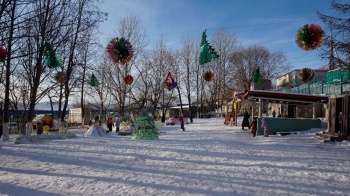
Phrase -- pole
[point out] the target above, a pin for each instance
(163, 112)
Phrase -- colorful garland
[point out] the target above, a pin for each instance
(51, 59)
(128, 79)
(208, 76)
(60, 77)
(3, 54)
(309, 37)
(307, 75)
(120, 50)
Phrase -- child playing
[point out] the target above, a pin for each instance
(264, 126)
(231, 121)
(253, 126)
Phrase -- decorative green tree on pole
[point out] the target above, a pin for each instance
(93, 81)
(207, 52)
(257, 77)
(51, 58)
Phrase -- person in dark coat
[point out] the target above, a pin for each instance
(340, 121)
(245, 122)
(117, 125)
(182, 123)
(109, 125)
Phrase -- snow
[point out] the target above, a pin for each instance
(96, 131)
(208, 158)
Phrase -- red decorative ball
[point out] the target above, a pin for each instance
(60, 77)
(208, 76)
(3, 54)
(128, 79)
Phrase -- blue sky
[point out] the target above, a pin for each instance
(269, 23)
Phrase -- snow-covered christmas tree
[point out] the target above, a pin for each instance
(145, 129)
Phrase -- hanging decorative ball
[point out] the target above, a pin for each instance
(3, 54)
(60, 77)
(128, 79)
(119, 50)
(309, 37)
(208, 76)
(307, 75)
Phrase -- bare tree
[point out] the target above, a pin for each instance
(225, 44)
(152, 71)
(10, 30)
(246, 61)
(339, 39)
(85, 16)
(130, 29)
(103, 99)
(189, 61)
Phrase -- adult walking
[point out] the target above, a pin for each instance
(182, 123)
(109, 125)
(245, 122)
(340, 122)
(117, 125)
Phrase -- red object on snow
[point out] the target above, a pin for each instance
(173, 121)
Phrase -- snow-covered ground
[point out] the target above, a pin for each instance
(209, 158)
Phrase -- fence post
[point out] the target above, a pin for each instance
(341, 84)
(321, 86)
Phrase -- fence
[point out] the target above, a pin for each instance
(335, 87)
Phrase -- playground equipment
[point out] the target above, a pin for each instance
(232, 108)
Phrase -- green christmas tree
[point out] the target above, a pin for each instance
(207, 52)
(257, 77)
(145, 129)
(51, 59)
(93, 81)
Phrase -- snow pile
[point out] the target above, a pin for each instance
(96, 131)
(23, 139)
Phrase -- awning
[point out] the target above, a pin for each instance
(285, 98)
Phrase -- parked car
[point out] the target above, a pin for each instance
(176, 120)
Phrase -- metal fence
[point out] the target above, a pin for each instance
(335, 87)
